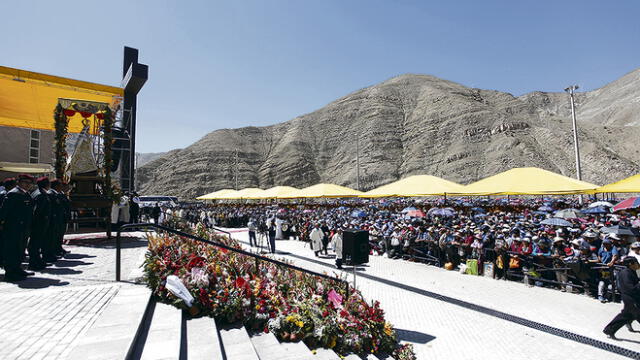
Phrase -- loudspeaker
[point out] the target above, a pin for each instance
(355, 245)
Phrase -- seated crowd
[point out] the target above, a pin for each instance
(503, 239)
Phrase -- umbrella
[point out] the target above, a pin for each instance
(545, 208)
(555, 222)
(407, 209)
(568, 214)
(636, 223)
(446, 212)
(600, 203)
(596, 210)
(358, 213)
(620, 230)
(480, 215)
(630, 203)
(307, 211)
(282, 211)
(415, 213)
(478, 209)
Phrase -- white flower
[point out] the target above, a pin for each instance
(199, 277)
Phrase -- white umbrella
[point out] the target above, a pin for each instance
(600, 203)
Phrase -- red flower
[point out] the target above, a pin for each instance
(68, 112)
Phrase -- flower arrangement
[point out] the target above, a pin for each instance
(294, 306)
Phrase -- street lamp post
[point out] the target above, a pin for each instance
(571, 91)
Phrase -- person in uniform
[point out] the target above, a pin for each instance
(7, 185)
(52, 252)
(61, 188)
(630, 291)
(41, 225)
(134, 209)
(15, 220)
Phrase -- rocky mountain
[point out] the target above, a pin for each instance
(145, 158)
(415, 124)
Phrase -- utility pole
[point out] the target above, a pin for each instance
(358, 162)
(236, 168)
(571, 91)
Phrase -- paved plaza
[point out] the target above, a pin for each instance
(44, 316)
(447, 315)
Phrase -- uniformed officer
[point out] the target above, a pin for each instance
(15, 220)
(630, 290)
(38, 244)
(7, 185)
(52, 252)
(61, 188)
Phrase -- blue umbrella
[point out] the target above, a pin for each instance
(358, 213)
(545, 208)
(479, 210)
(445, 212)
(407, 209)
(596, 210)
(556, 222)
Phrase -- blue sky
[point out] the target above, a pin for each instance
(227, 64)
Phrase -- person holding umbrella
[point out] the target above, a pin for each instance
(630, 291)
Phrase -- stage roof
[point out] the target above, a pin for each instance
(28, 99)
(528, 181)
(416, 185)
(628, 185)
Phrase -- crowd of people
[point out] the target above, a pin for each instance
(509, 239)
(33, 217)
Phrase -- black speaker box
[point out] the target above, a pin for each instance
(355, 245)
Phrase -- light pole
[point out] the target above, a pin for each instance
(571, 91)
(358, 163)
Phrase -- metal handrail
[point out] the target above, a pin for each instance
(214, 243)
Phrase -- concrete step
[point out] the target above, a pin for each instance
(202, 339)
(237, 343)
(164, 334)
(113, 333)
(326, 354)
(352, 357)
(295, 350)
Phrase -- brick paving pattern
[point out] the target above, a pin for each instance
(43, 317)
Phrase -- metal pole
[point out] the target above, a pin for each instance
(236, 166)
(358, 163)
(118, 245)
(571, 90)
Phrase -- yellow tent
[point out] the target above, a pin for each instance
(214, 195)
(528, 181)
(323, 190)
(28, 99)
(416, 185)
(628, 185)
(276, 192)
(247, 193)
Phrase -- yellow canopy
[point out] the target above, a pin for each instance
(416, 185)
(247, 193)
(26, 168)
(276, 192)
(528, 181)
(628, 185)
(28, 99)
(323, 190)
(214, 195)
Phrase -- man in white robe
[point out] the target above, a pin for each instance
(316, 239)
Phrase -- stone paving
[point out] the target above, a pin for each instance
(43, 316)
(442, 329)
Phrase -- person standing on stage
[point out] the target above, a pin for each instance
(316, 237)
(41, 225)
(7, 185)
(134, 209)
(630, 291)
(337, 247)
(272, 236)
(51, 252)
(58, 187)
(251, 225)
(15, 220)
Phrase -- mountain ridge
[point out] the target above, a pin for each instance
(410, 124)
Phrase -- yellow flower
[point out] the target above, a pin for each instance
(300, 324)
(332, 343)
(257, 307)
(388, 329)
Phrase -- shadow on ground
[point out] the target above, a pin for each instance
(413, 336)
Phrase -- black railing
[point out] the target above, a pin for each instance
(214, 243)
